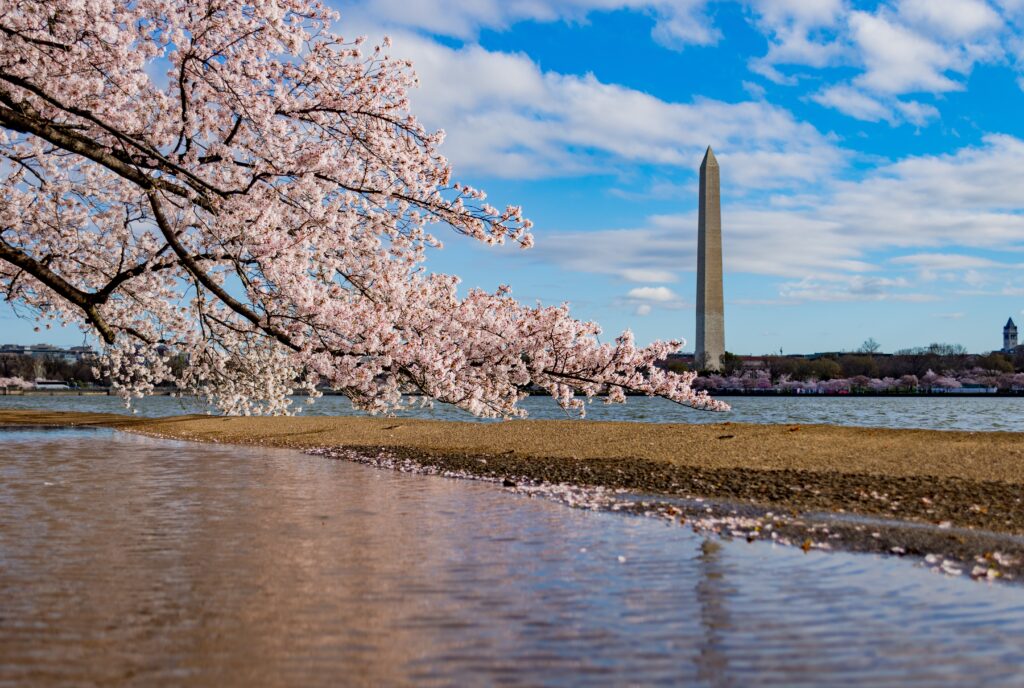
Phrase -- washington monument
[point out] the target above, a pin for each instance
(710, 310)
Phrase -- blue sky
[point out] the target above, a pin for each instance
(872, 159)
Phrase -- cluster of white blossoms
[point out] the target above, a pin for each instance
(259, 213)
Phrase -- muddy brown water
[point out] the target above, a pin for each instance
(130, 560)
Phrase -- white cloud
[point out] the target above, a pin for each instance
(754, 241)
(796, 33)
(799, 12)
(828, 244)
(508, 118)
(630, 254)
(656, 189)
(1012, 7)
(656, 294)
(946, 261)
(756, 91)
(644, 299)
(852, 102)
(681, 22)
(677, 22)
(974, 278)
(916, 113)
(972, 271)
(899, 60)
(858, 104)
(954, 19)
(899, 47)
(647, 275)
(771, 73)
(851, 288)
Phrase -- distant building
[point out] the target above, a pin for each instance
(71, 354)
(1009, 336)
(50, 384)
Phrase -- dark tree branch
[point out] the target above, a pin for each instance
(22, 118)
(59, 285)
(190, 264)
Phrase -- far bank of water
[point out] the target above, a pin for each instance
(981, 414)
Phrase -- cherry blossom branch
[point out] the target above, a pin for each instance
(278, 155)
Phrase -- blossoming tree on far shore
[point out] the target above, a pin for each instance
(237, 184)
(14, 383)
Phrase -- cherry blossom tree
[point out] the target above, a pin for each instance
(929, 379)
(236, 184)
(786, 384)
(885, 384)
(838, 386)
(14, 383)
(908, 382)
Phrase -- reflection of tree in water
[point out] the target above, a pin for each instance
(712, 591)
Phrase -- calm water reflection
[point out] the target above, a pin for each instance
(938, 413)
(126, 559)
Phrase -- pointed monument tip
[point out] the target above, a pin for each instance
(709, 158)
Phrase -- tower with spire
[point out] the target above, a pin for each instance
(710, 345)
(1009, 336)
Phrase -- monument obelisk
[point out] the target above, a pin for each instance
(710, 343)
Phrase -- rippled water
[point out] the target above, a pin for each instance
(127, 559)
(938, 413)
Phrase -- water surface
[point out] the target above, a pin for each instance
(937, 412)
(127, 559)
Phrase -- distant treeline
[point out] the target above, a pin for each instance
(918, 361)
(74, 373)
(71, 372)
(935, 367)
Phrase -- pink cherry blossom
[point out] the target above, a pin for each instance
(14, 383)
(238, 186)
